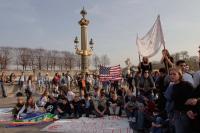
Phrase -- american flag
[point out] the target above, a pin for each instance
(110, 73)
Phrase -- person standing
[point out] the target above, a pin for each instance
(12, 78)
(22, 80)
(88, 82)
(2, 81)
(130, 81)
(161, 85)
(196, 77)
(40, 81)
(47, 81)
(68, 80)
(56, 80)
(30, 86)
(181, 92)
(96, 82)
(167, 59)
(181, 64)
(63, 80)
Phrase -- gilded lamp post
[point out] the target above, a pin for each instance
(84, 52)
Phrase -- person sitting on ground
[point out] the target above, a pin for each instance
(100, 104)
(128, 97)
(121, 92)
(140, 115)
(157, 123)
(63, 106)
(88, 105)
(111, 91)
(29, 108)
(150, 105)
(131, 107)
(70, 95)
(70, 98)
(43, 99)
(114, 104)
(55, 92)
(51, 105)
(96, 92)
(19, 105)
(62, 92)
(77, 107)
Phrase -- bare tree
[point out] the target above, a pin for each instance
(53, 62)
(5, 56)
(105, 60)
(24, 56)
(47, 59)
(60, 60)
(184, 55)
(78, 61)
(69, 59)
(32, 59)
(39, 56)
(17, 60)
(96, 61)
(193, 62)
(176, 56)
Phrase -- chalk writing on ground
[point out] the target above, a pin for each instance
(109, 124)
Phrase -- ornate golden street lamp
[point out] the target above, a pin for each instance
(84, 52)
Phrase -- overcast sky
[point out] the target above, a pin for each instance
(114, 24)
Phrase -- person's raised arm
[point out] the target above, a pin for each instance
(169, 61)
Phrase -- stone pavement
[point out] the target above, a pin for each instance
(10, 102)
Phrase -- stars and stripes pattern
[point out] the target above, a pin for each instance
(110, 73)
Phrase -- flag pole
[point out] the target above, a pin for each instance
(166, 63)
(139, 57)
(138, 51)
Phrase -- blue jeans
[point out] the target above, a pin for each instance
(156, 130)
(181, 122)
(139, 120)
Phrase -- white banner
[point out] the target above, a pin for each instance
(112, 124)
(150, 44)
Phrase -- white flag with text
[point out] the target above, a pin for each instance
(150, 44)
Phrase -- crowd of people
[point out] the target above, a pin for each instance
(156, 101)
